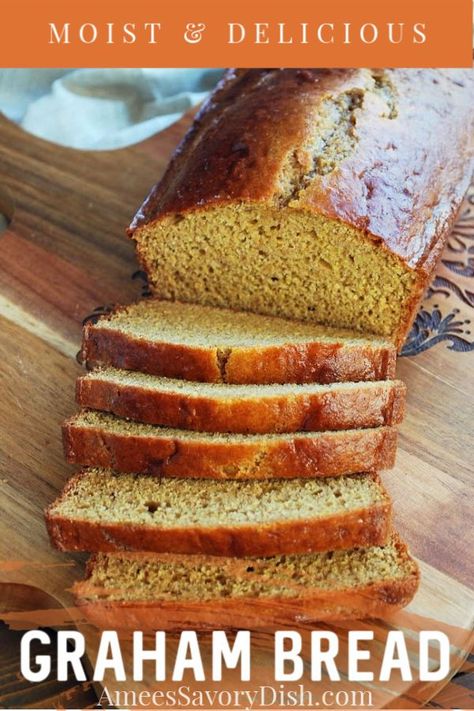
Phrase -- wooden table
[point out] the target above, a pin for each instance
(64, 254)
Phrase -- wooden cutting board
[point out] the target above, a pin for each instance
(64, 255)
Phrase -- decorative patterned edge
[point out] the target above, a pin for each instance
(431, 326)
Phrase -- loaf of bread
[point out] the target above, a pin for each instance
(219, 345)
(314, 194)
(260, 409)
(173, 592)
(99, 439)
(100, 510)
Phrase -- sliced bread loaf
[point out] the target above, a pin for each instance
(95, 438)
(219, 345)
(216, 407)
(172, 592)
(100, 510)
(324, 195)
(320, 194)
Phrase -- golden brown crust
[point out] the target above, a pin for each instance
(337, 409)
(236, 565)
(347, 452)
(360, 528)
(110, 347)
(401, 187)
(310, 363)
(318, 362)
(363, 527)
(422, 173)
(375, 600)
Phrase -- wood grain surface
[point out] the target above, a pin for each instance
(63, 255)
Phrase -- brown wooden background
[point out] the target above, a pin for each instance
(64, 254)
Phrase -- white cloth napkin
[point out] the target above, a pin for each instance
(101, 108)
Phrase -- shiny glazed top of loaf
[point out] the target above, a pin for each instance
(388, 152)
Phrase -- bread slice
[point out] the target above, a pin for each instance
(216, 407)
(100, 510)
(219, 345)
(100, 439)
(173, 592)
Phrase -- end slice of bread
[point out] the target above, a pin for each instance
(173, 592)
(209, 344)
(101, 439)
(260, 409)
(100, 510)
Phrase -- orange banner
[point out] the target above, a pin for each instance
(270, 33)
